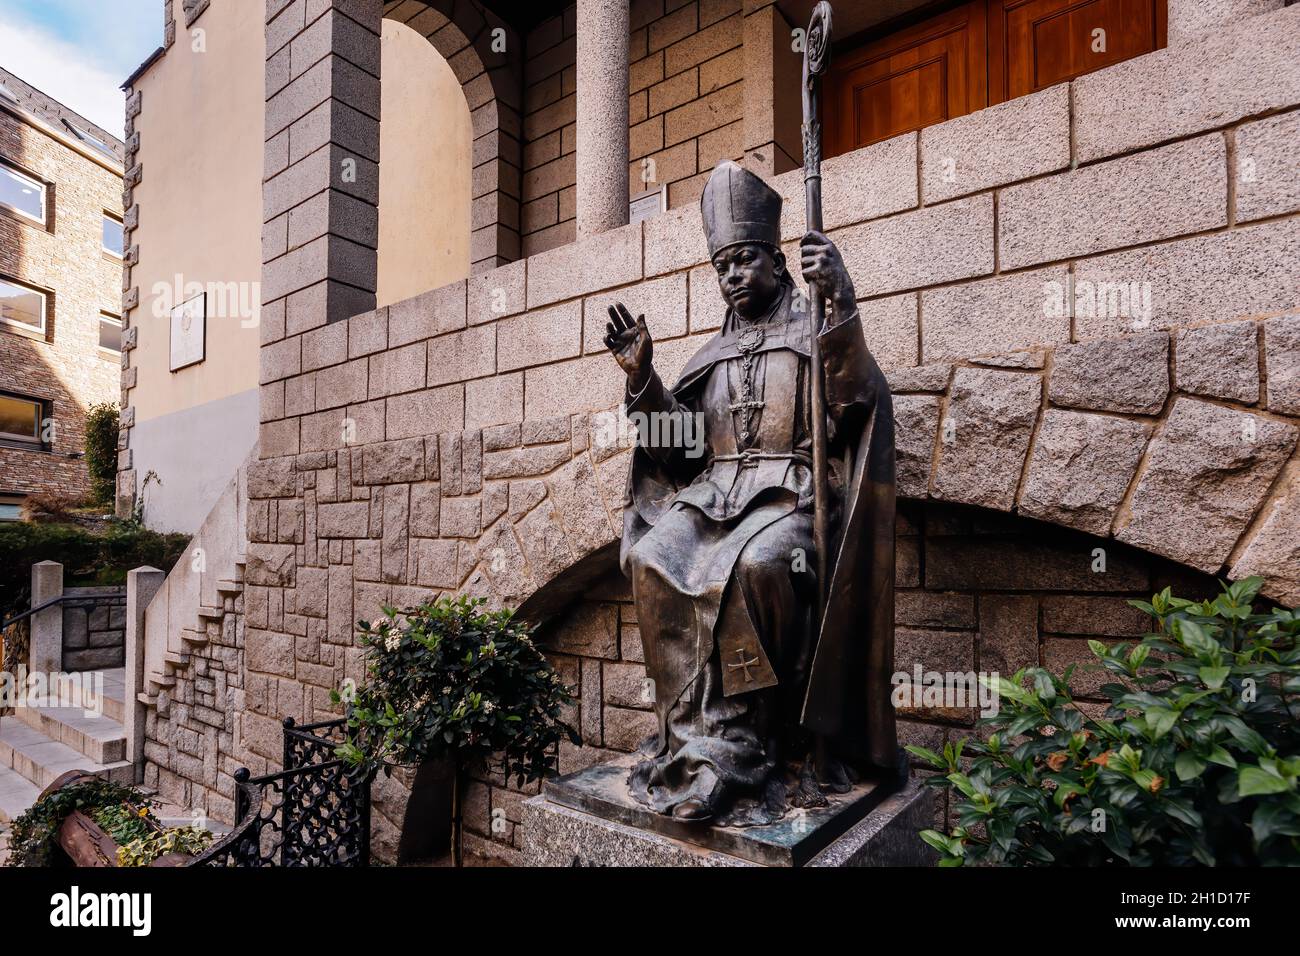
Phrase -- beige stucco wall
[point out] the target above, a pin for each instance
(200, 198)
(200, 203)
(424, 169)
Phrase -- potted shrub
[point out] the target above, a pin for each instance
(1195, 761)
(88, 821)
(449, 684)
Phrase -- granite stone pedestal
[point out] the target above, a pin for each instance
(589, 819)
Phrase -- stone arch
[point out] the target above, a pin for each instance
(551, 518)
(488, 64)
(1100, 437)
(1094, 437)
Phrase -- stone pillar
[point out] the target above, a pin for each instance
(773, 108)
(141, 586)
(602, 115)
(47, 626)
(321, 190)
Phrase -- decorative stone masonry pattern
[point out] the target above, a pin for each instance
(94, 637)
(127, 477)
(413, 460)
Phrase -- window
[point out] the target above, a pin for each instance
(11, 507)
(110, 332)
(906, 79)
(1034, 44)
(90, 140)
(22, 194)
(924, 69)
(20, 420)
(114, 240)
(22, 306)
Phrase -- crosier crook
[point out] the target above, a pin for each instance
(816, 53)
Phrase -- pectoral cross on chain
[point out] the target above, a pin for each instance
(744, 665)
(749, 343)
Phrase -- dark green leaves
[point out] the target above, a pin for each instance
(449, 678)
(1194, 763)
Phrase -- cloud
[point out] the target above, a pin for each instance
(61, 70)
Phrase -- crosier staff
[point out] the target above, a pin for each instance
(816, 53)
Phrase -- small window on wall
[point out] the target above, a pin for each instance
(22, 194)
(110, 333)
(114, 240)
(21, 421)
(22, 307)
(94, 142)
(11, 507)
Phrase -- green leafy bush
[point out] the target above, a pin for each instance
(89, 555)
(1194, 763)
(124, 822)
(101, 451)
(447, 679)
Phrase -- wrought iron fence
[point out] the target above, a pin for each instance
(315, 812)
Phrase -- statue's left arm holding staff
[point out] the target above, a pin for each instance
(852, 378)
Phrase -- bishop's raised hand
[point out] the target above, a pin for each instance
(629, 341)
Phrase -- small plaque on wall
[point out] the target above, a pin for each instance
(189, 328)
(649, 203)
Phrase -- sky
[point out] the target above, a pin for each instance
(80, 51)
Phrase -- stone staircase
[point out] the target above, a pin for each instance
(209, 620)
(192, 618)
(37, 744)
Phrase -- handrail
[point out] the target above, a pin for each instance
(91, 599)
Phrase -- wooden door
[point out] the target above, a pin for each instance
(1034, 44)
(908, 79)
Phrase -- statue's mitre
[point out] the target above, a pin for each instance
(739, 207)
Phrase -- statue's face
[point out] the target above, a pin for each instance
(750, 277)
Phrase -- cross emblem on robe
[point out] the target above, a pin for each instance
(745, 407)
(744, 665)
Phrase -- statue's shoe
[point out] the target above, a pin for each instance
(693, 811)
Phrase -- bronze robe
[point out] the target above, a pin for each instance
(720, 552)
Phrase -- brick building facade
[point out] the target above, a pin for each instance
(60, 348)
(1061, 447)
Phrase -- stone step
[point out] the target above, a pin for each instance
(36, 757)
(111, 701)
(210, 613)
(149, 700)
(160, 680)
(101, 739)
(17, 793)
(228, 586)
(115, 694)
(192, 637)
